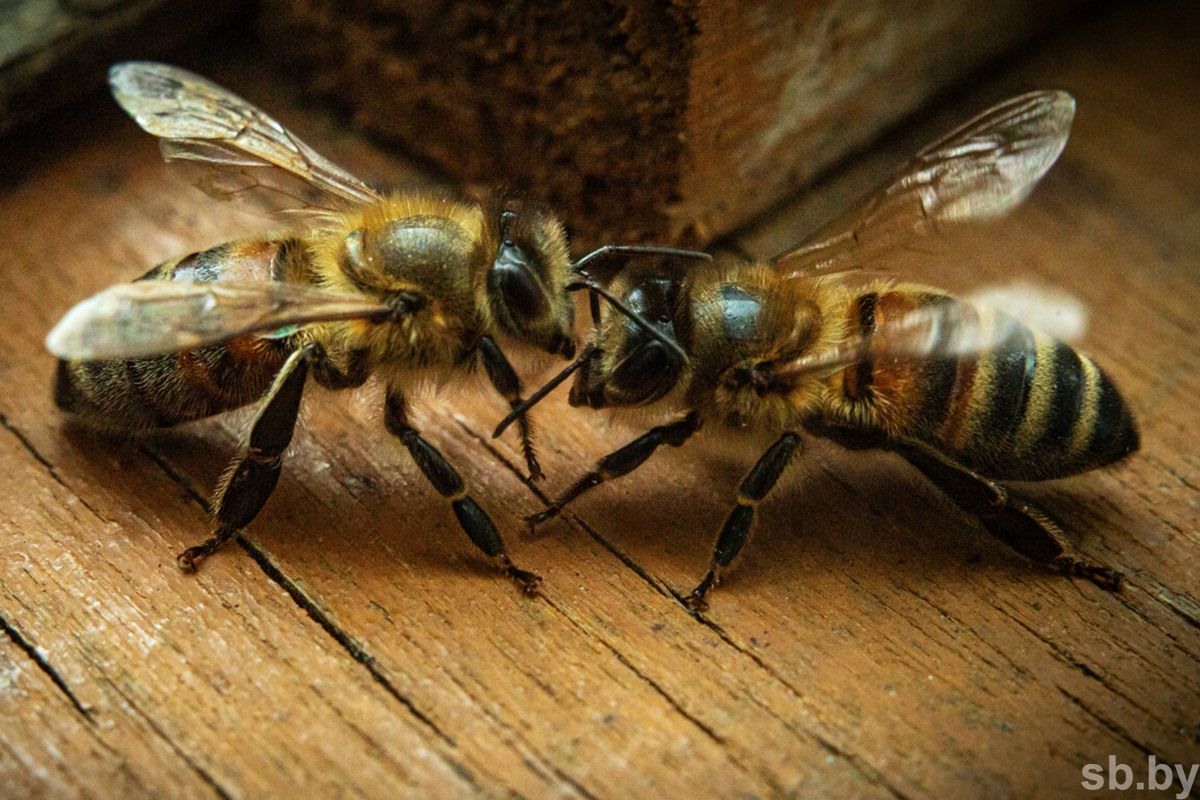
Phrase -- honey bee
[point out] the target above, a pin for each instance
(406, 287)
(794, 346)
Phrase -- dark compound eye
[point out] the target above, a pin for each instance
(518, 285)
(646, 374)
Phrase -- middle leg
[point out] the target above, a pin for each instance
(754, 487)
(446, 480)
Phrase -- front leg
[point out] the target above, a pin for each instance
(622, 462)
(505, 379)
(446, 480)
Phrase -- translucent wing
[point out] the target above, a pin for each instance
(954, 328)
(980, 170)
(132, 320)
(229, 148)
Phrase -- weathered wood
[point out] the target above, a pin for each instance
(641, 119)
(51, 52)
(874, 642)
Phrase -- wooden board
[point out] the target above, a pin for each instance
(642, 120)
(873, 642)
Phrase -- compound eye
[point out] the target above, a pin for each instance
(518, 285)
(644, 375)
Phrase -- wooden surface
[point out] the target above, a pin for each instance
(641, 119)
(874, 642)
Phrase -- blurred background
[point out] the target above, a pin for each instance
(636, 119)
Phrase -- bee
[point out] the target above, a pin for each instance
(407, 287)
(797, 346)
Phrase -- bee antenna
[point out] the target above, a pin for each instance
(595, 290)
(546, 389)
(636, 250)
(637, 319)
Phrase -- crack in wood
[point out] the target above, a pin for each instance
(1181, 605)
(200, 771)
(538, 765)
(51, 470)
(46, 668)
(868, 772)
(318, 615)
(1067, 657)
(1106, 723)
(1014, 666)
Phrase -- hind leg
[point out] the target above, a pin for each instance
(251, 479)
(1022, 526)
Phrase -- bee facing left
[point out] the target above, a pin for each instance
(404, 287)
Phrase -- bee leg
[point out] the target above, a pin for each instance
(1023, 527)
(352, 375)
(446, 480)
(754, 487)
(505, 379)
(622, 462)
(251, 479)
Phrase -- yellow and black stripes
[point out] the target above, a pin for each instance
(1024, 407)
(160, 391)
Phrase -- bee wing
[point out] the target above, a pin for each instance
(132, 320)
(963, 326)
(980, 170)
(230, 148)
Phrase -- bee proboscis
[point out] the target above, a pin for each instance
(796, 346)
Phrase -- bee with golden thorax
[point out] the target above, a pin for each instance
(404, 287)
(792, 346)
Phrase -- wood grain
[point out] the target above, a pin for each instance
(873, 641)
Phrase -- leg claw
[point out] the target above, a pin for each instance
(1106, 578)
(527, 581)
(188, 558)
(695, 601)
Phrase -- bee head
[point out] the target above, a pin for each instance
(527, 279)
(628, 365)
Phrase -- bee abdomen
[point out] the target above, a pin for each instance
(160, 391)
(1028, 407)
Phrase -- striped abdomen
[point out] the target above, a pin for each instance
(159, 391)
(1027, 407)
